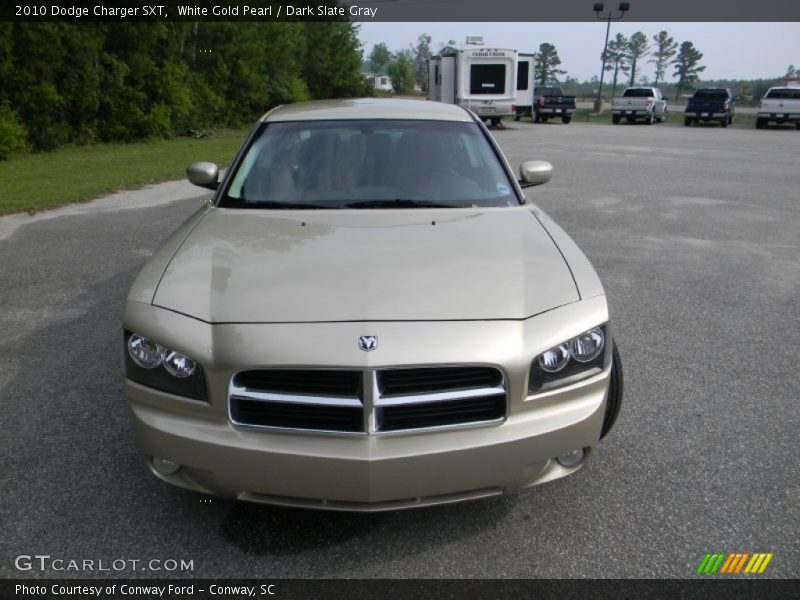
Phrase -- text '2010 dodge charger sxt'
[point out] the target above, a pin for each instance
(368, 315)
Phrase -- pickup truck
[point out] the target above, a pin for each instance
(551, 102)
(639, 103)
(781, 105)
(709, 104)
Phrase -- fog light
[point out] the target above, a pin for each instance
(571, 459)
(165, 467)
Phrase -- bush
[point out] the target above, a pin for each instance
(13, 136)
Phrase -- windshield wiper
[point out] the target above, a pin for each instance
(396, 203)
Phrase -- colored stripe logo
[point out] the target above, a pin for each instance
(734, 563)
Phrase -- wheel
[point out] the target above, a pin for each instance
(566, 120)
(544, 119)
(517, 117)
(797, 125)
(761, 123)
(663, 118)
(615, 119)
(724, 123)
(536, 117)
(495, 121)
(650, 118)
(614, 399)
(730, 120)
(687, 121)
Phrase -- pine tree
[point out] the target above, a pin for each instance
(666, 47)
(686, 67)
(638, 47)
(547, 61)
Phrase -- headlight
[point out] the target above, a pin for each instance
(583, 356)
(151, 364)
(144, 352)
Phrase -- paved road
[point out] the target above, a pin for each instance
(696, 234)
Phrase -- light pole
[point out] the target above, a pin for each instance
(598, 8)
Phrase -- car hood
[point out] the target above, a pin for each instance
(366, 265)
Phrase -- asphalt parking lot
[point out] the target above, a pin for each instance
(695, 233)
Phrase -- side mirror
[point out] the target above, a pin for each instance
(204, 174)
(534, 172)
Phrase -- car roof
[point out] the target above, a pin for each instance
(368, 108)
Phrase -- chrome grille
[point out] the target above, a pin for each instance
(369, 401)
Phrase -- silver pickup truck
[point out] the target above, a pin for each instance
(781, 105)
(639, 103)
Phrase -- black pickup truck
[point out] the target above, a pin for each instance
(710, 104)
(550, 102)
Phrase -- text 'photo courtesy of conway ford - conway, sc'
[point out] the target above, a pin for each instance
(369, 314)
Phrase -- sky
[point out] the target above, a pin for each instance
(730, 50)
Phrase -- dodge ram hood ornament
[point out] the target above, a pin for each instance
(368, 343)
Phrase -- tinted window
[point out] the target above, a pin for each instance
(549, 91)
(638, 93)
(334, 163)
(784, 93)
(487, 79)
(712, 94)
(522, 75)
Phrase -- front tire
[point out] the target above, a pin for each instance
(761, 123)
(687, 121)
(614, 399)
(566, 120)
(495, 121)
(650, 119)
(723, 123)
(615, 119)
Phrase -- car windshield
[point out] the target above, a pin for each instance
(369, 164)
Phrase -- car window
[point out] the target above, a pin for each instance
(339, 163)
(784, 94)
(638, 93)
(711, 94)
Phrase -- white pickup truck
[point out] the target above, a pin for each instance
(639, 103)
(781, 105)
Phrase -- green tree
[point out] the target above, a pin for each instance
(419, 58)
(665, 49)
(687, 67)
(401, 70)
(547, 61)
(616, 59)
(638, 47)
(332, 61)
(380, 57)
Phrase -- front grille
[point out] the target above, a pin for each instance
(371, 401)
(291, 415)
(439, 414)
(309, 382)
(434, 379)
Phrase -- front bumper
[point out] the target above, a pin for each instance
(369, 472)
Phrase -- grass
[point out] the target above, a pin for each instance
(76, 174)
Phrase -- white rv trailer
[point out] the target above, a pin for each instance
(480, 78)
(525, 85)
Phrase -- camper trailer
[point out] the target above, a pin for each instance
(525, 85)
(478, 77)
